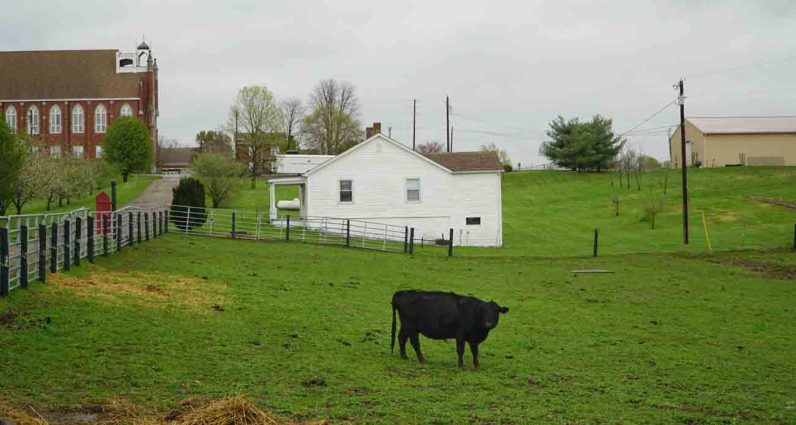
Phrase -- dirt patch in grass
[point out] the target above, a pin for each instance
(145, 289)
(19, 416)
(776, 271)
(726, 216)
(774, 201)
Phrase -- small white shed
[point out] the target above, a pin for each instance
(383, 181)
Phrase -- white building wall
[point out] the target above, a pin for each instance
(379, 171)
(299, 164)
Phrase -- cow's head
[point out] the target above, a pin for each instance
(490, 314)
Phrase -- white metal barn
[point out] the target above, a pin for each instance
(383, 181)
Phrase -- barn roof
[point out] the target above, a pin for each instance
(745, 125)
(466, 161)
(176, 157)
(64, 74)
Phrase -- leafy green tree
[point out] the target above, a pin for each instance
(127, 146)
(188, 204)
(258, 115)
(214, 141)
(582, 146)
(219, 174)
(13, 155)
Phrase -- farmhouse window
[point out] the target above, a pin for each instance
(346, 191)
(473, 221)
(413, 190)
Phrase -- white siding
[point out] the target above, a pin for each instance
(299, 164)
(379, 171)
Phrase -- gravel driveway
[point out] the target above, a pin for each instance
(158, 193)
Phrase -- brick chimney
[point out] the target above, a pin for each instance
(372, 131)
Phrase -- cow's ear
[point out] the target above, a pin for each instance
(504, 310)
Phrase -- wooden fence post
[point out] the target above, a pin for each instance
(42, 252)
(348, 233)
(450, 244)
(287, 230)
(233, 224)
(794, 237)
(131, 241)
(138, 225)
(90, 238)
(4, 277)
(188, 220)
(23, 257)
(78, 228)
(105, 235)
(118, 227)
(66, 245)
(411, 241)
(406, 239)
(146, 226)
(54, 248)
(166, 229)
(596, 237)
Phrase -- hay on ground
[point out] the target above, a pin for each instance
(18, 417)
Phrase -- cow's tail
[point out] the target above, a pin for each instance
(392, 341)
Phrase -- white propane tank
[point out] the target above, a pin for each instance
(293, 205)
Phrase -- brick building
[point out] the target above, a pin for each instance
(65, 99)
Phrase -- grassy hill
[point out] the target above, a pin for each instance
(553, 213)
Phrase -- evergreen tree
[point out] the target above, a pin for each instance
(188, 197)
(582, 146)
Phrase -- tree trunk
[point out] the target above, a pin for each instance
(124, 176)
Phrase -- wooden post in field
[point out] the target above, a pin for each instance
(4, 272)
(233, 224)
(596, 238)
(406, 239)
(348, 233)
(42, 252)
(54, 248)
(90, 238)
(450, 244)
(411, 241)
(78, 225)
(287, 230)
(105, 235)
(23, 257)
(66, 245)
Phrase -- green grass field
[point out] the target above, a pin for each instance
(706, 341)
(674, 336)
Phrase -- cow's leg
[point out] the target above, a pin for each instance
(460, 350)
(415, 339)
(402, 337)
(474, 351)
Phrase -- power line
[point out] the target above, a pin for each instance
(658, 112)
(490, 123)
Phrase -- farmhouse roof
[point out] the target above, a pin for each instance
(176, 156)
(745, 125)
(64, 74)
(466, 161)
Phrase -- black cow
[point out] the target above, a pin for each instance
(443, 315)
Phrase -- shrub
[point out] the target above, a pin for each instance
(508, 168)
(652, 205)
(189, 193)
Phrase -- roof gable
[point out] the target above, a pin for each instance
(467, 161)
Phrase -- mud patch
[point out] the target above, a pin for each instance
(776, 271)
(774, 201)
(153, 290)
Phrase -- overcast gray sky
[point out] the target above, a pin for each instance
(509, 67)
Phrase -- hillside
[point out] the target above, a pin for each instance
(552, 213)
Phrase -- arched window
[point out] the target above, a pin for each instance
(11, 118)
(33, 120)
(55, 120)
(126, 111)
(77, 119)
(100, 119)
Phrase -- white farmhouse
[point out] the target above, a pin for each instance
(381, 180)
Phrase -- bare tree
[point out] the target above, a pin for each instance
(258, 115)
(333, 125)
(627, 162)
(292, 115)
(163, 143)
(502, 154)
(430, 147)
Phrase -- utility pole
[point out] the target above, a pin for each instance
(448, 122)
(235, 136)
(451, 138)
(414, 121)
(389, 132)
(681, 101)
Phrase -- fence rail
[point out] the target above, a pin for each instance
(32, 245)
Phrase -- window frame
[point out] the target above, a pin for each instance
(476, 221)
(78, 124)
(98, 151)
(340, 191)
(33, 120)
(126, 107)
(407, 189)
(78, 151)
(12, 122)
(55, 151)
(100, 125)
(56, 120)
